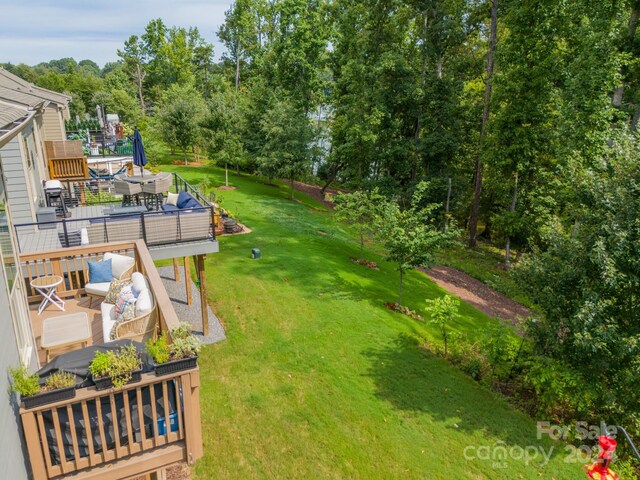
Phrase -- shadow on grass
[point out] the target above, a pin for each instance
(415, 381)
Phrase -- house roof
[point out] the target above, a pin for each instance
(16, 90)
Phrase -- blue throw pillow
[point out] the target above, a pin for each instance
(183, 198)
(100, 272)
(192, 203)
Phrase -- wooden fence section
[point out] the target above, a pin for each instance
(117, 433)
(71, 265)
(66, 159)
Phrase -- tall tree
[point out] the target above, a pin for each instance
(134, 60)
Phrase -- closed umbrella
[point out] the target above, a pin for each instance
(139, 158)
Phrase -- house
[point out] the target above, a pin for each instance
(141, 428)
(39, 115)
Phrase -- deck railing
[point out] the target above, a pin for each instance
(119, 433)
(155, 227)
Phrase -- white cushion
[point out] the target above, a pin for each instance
(108, 320)
(172, 199)
(144, 303)
(119, 263)
(97, 288)
(139, 283)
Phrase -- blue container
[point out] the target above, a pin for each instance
(173, 424)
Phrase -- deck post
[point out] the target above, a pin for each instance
(187, 279)
(176, 270)
(203, 295)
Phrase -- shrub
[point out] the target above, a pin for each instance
(185, 347)
(23, 383)
(442, 311)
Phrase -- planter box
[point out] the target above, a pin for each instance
(176, 366)
(49, 397)
(105, 382)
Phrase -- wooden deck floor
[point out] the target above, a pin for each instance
(72, 305)
(34, 239)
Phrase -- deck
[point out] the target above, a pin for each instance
(72, 305)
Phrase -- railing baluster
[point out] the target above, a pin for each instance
(106, 453)
(74, 439)
(93, 459)
(46, 446)
(127, 416)
(157, 440)
(64, 463)
(116, 426)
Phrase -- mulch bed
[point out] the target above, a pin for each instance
(396, 307)
(478, 294)
(365, 263)
(224, 187)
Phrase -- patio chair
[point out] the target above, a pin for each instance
(130, 192)
(154, 191)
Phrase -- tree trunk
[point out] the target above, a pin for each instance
(184, 154)
(139, 78)
(514, 199)
(446, 208)
(292, 189)
(238, 67)
(400, 290)
(226, 174)
(361, 246)
(477, 188)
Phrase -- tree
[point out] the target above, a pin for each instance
(288, 136)
(586, 282)
(180, 115)
(222, 124)
(477, 182)
(412, 237)
(364, 211)
(134, 59)
(442, 311)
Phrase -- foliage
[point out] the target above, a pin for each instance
(59, 380)
(158, 349)
(23, 383)
(179, 117)
(116, 364)
(412, 238)
(185, 347)
(442, 311)
(364, 211)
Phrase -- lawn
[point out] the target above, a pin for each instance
(318, 380)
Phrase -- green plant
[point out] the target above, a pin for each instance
(116, 364)
(23, 383)
(442, 311)
(185, 347)
(183, 330)
(59, 380)
(159, 349)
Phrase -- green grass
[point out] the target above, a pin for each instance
(317, 379)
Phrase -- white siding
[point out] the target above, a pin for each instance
(53, 124)
(13, 167)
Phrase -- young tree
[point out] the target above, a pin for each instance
(134, 60)
(180, 116)
(442, 311)
(412, 236)
(364, 211)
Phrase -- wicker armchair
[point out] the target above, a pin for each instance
(154, 191)
(130, 191)
(100, 290)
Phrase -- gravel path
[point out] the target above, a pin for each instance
(190, 313)
(477, 294)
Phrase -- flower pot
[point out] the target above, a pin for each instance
(176, 366)
(49, 397)
(229, 225)
(103, 383)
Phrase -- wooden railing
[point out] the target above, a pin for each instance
(66, 159)
(63, 168)
(71, 264)
(118, 433)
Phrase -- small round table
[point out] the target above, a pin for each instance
(46, 286)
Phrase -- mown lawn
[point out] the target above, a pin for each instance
(318, 380)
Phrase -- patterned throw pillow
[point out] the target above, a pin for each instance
(128, 313)
(114, 290)
(124, 297)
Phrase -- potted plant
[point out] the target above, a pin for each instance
(182, 354)
(116, 368)
(57, 387)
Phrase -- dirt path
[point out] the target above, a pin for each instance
(477, 294)
(314, 191)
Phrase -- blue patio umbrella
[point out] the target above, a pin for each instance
(139, 157)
